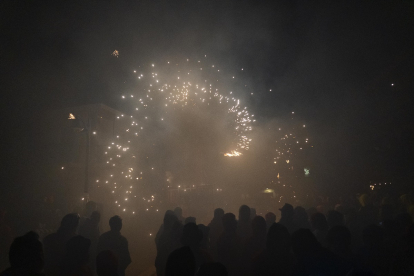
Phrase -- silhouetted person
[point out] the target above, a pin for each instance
(75, 262)
(270, 219)
(334, 218)
(402, 263)
(216, 228)
(179, 214)
(300, 218)
(107, 263)
(286, 218)
(373, 254)
(229, 245)
(181, 262)
(254, 244)
(205, 230)
(192, 237)
(244, 227)
(311, 258)
(190, 220)
(339, 241)
(114, 241)
(170, 214)
(90, 230)
(25, 256)
(311, 211)
(276, 258)
(351, 221)
(368, 213)
(252, 213)
(55, 244)
(167, 240)
(320, 228)
(212, 269)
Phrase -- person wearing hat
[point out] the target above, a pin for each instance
(286, 218)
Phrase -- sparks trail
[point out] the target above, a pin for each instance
(185, 109)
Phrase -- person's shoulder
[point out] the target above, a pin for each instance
(105, 235)
(122, 238)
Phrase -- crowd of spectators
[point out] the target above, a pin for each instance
(369, 239)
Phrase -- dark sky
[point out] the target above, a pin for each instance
(332, 62)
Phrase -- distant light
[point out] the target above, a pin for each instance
(71, 116)
(392, 84)
(63, 168)
(83, 198)
(94, 132)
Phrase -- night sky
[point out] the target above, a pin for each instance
(332, 62)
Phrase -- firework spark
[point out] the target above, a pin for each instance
(115, 53)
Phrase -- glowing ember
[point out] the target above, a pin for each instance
(115, 53)
(233, 153)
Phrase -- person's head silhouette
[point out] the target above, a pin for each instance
(169, 219)
(334, 218)
(192, 236)
(26, 254)
(244, 213)
(278, 238)
(218, 213)
(287, 211)
(115, 223)
(69, 223)
(190, 220)
(181, 262)
(318, 222)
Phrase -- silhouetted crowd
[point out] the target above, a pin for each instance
(368, 240)
(68, 251)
